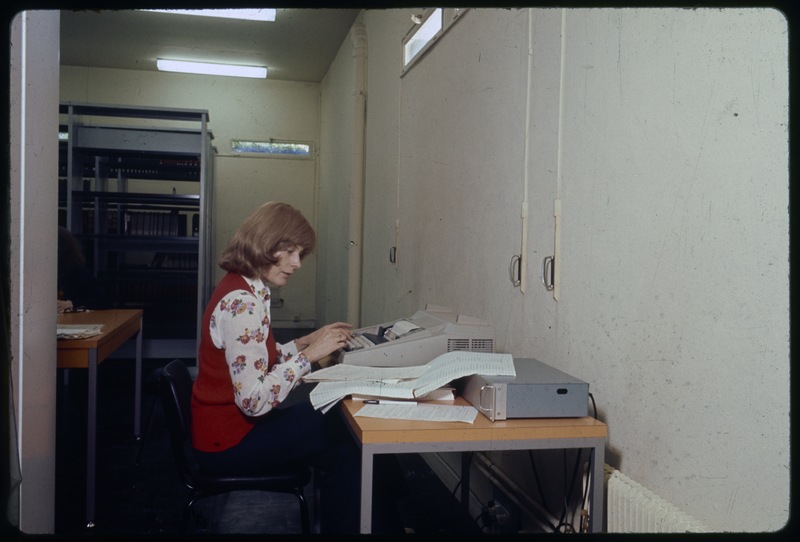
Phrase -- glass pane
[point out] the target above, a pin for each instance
(271, 147)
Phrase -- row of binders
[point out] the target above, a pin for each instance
(155, 223)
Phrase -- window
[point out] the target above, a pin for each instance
(422, 36)
(273, 148)
(428, 28)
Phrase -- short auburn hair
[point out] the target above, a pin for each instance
(272, 227)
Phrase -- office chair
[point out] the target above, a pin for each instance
(176, 392)
(153, 382)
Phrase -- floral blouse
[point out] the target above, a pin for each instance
(240, 325)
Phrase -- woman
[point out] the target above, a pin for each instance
(244, 375)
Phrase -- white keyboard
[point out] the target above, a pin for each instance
(358, 342)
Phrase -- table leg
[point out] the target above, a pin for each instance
(598, 504)
(366, 490)
(137, 410)
(91, 437)
(466, 462)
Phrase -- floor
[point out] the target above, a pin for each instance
(145, 497)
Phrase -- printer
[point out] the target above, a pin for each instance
(416, 340)
(537, 391)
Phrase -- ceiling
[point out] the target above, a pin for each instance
(299, 46)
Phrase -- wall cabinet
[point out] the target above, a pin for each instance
(135, 188)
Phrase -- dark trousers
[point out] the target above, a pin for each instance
(300, 434)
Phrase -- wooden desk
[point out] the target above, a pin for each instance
(119, 326)
(379, 436)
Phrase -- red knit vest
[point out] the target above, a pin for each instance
(217, 422)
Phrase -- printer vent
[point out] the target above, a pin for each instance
(483, 345)
(471, 345)
(454, 345)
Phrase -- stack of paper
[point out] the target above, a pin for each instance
(339, 381)
(78, 331)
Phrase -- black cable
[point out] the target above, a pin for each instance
(569, 488)
(541, 491)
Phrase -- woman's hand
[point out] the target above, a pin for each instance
(325, 340)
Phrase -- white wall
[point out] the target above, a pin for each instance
(33, 154)
(675, 194)
(664, 135)
(335, 176)
(238, 108)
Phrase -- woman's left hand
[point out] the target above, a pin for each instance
(325, 341)
(342, 329)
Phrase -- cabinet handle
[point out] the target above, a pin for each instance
(515, 270)
(548, 263)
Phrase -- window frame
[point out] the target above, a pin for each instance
(449, 17)
(288, 156)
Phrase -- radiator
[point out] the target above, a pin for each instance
(632, 508)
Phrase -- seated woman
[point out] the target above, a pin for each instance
(244, 375)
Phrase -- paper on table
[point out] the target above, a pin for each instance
(67, 331)
(438, 372)
(327, 394)
(429, 413)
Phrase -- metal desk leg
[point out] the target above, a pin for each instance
(366, 490)
(137, 414)
(91, 438)
(598, 505)
(466, 461)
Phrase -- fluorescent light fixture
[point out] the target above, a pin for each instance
(206, 68)
(245, 14)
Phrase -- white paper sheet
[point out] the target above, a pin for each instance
(420, 412)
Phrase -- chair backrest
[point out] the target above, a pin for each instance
(176, 395)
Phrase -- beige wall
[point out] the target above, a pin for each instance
(663, 135)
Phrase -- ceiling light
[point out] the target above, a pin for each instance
(205, 68)
(245, 14)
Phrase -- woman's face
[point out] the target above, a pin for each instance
(288, 263)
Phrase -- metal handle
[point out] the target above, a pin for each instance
(393, 255)
(480, 399)
(548, 263)
(516, 262)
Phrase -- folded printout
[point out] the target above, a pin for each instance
(345, 372)
(435, 374)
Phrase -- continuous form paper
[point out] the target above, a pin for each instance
(437, 373)
(445, 393)
(344, 372)
(429, 413)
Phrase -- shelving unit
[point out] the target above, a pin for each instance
(135, 188)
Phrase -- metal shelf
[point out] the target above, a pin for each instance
(125, 145)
